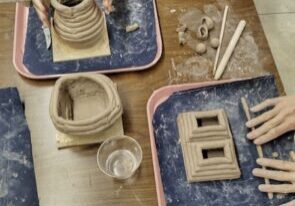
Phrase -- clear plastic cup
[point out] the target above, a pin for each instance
(119, 157)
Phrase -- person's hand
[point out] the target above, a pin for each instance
(275, 122)
(107, 4)
(42, 10)
(285, 171)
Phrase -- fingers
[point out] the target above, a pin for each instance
(266, 126)
(282, 188)
(265, 104)
(262, 118)
(276, 164)
(274, 175)
(42, 12)
(38, 4)
(272, 133)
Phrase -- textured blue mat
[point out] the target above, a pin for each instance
(128, 50)
(17, 176)
(243, 191)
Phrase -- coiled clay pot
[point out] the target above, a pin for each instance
(78, 20)
(84, 104)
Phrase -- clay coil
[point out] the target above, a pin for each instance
(66, 10)
(75, 22)
(93, 33)
(81, 32)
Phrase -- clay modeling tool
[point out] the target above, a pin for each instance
(258, 147)
(45, 24)
(220, 38)
(230, 49)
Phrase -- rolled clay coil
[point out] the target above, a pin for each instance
(77, 88)
(202, 32)
(88, 21)
(77, 14)
(93, 33)
(75, 22)
(83, 33)
(84, 25)
(66, 10)
(208, 22)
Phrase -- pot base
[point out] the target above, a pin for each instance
(64, 50)
(66, 141)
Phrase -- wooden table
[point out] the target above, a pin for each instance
(71, 177)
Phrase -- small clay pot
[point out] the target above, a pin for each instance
(79, 23)
(84, 104)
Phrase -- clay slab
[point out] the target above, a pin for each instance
(207, 145)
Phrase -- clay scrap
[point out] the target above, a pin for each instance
(85, 106)
(207, 146)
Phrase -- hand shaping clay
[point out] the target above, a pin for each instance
(84, 104)
(201, 48)
(82, 22)
(207, 146)
(202, 32)
(208, 22)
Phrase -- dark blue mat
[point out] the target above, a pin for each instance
(128, 49)
(243, 191)
(17, 176)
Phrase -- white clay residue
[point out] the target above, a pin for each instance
(21, 159)
(190, 69)
(245, 60)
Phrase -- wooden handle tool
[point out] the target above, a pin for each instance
(220, 38)
(258, 147)
(230, 49)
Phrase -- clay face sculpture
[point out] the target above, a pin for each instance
(84, 104)
(208, 22)
(80, 21)
(207, 146)
(202, 32)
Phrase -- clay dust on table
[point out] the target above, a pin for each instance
(245, 60)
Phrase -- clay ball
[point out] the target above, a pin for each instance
(214, 43)
(201, 48)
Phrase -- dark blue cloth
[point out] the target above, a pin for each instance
(127, 49)
(242, 191)
(17, 176)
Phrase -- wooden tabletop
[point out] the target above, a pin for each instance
(71, 177)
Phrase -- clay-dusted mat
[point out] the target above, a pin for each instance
(130, 51)
(17, 176)
(171, 173)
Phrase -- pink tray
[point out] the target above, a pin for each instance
(20, 30)
(158, 97)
